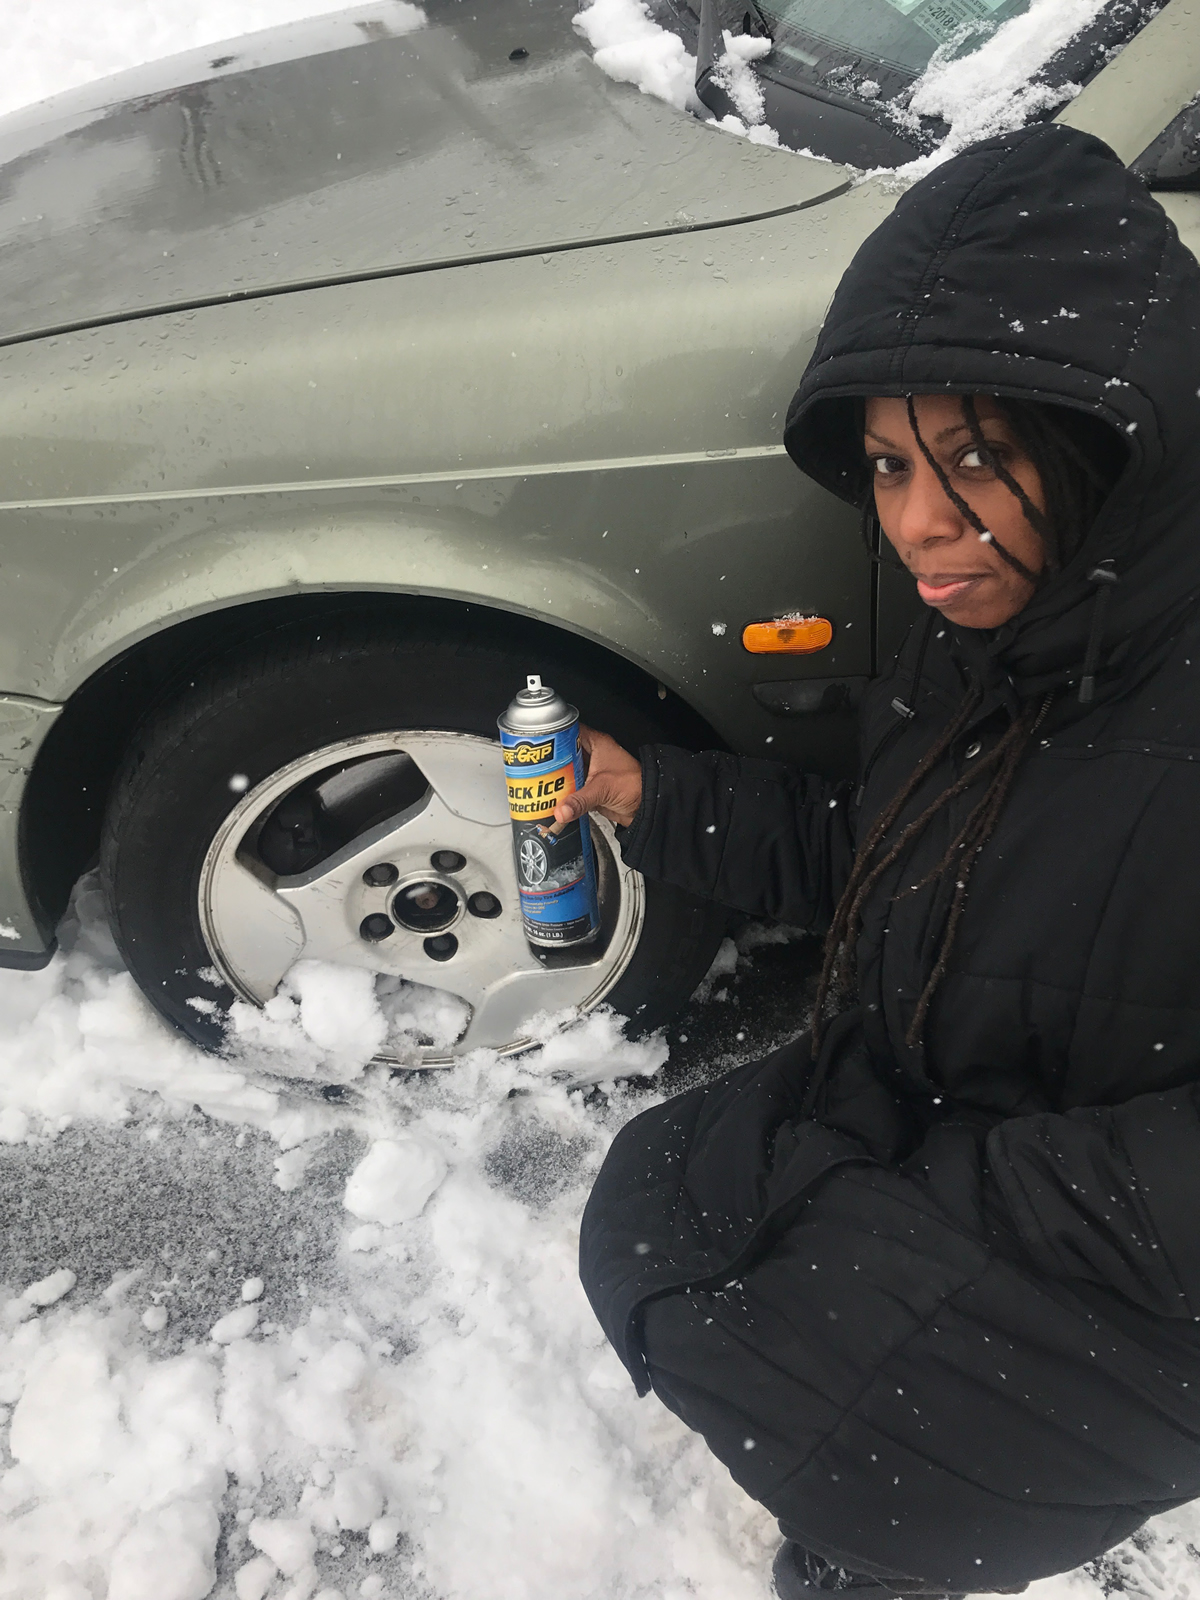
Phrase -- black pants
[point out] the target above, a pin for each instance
(906, 1401)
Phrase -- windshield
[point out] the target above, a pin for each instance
(881, 43)
(836, 77)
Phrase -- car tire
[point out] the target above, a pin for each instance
(234, 725)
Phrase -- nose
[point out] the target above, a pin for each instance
(926, 516)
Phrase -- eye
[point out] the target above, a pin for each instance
(888, 466)
(975, 459)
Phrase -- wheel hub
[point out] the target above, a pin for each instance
(427, 905)
(394, 852)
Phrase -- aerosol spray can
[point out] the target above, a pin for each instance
(556, 873)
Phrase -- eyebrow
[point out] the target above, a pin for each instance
(939, 438)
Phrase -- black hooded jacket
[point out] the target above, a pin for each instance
(1038, 1156)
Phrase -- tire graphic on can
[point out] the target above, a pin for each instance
(534, 862)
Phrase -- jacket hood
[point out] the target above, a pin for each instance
(1034, 266)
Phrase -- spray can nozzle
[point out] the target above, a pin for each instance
(533, 683)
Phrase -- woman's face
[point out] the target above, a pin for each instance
(957, 572)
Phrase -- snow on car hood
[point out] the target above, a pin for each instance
(386, 139)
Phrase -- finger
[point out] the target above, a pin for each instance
(569, 809)
(597, 796)
(588, 739)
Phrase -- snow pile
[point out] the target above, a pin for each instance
(995, 89)
(45, 1292)
(414, 1404)
(78, 1040)
(446, 1419)
(734, 74)
(103, 1437)
(991, 90)
(327, 1022)
(394, 1180)
(632, 49)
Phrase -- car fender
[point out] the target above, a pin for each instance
(591, 436)
(485, 540)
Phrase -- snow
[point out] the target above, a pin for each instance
(733, 72)
(347, 1354)
(991, 90)
(394, 1180)
(14, 1125)
(357, 1499)
(235, 1324)
(384, 1534)
(46, 1291)
(631, 48)
(289, 1543)
(255, 1578)
(338, 1010)
(724, 963)
(167, 1555)
(431, 1397)
(400, 1408)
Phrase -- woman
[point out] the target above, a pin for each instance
(928, 1278)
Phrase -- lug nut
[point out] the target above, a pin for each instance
(447, 861)
(441, 947)
(376, 927)
(483, 905)
(378, 877)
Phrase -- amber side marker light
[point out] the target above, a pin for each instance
(787, 636)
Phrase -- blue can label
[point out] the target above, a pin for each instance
(556, 873)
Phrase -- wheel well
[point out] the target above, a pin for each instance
(67, 793)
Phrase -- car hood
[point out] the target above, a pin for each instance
(385, 139)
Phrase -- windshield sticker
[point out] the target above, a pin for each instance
(941, 19)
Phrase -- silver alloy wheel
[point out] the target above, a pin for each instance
(257, 923)
(533, 862)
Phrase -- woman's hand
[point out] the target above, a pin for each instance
(613, 786)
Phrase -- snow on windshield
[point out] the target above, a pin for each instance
(995, 89)
(992, 90)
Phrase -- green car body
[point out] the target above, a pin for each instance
(384, 312)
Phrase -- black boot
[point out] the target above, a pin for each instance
(800, 1575)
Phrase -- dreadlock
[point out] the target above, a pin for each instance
(1078, 460)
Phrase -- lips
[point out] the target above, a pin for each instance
(940, 591)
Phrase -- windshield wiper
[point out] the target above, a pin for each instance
(764, 21)
(708, 91)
